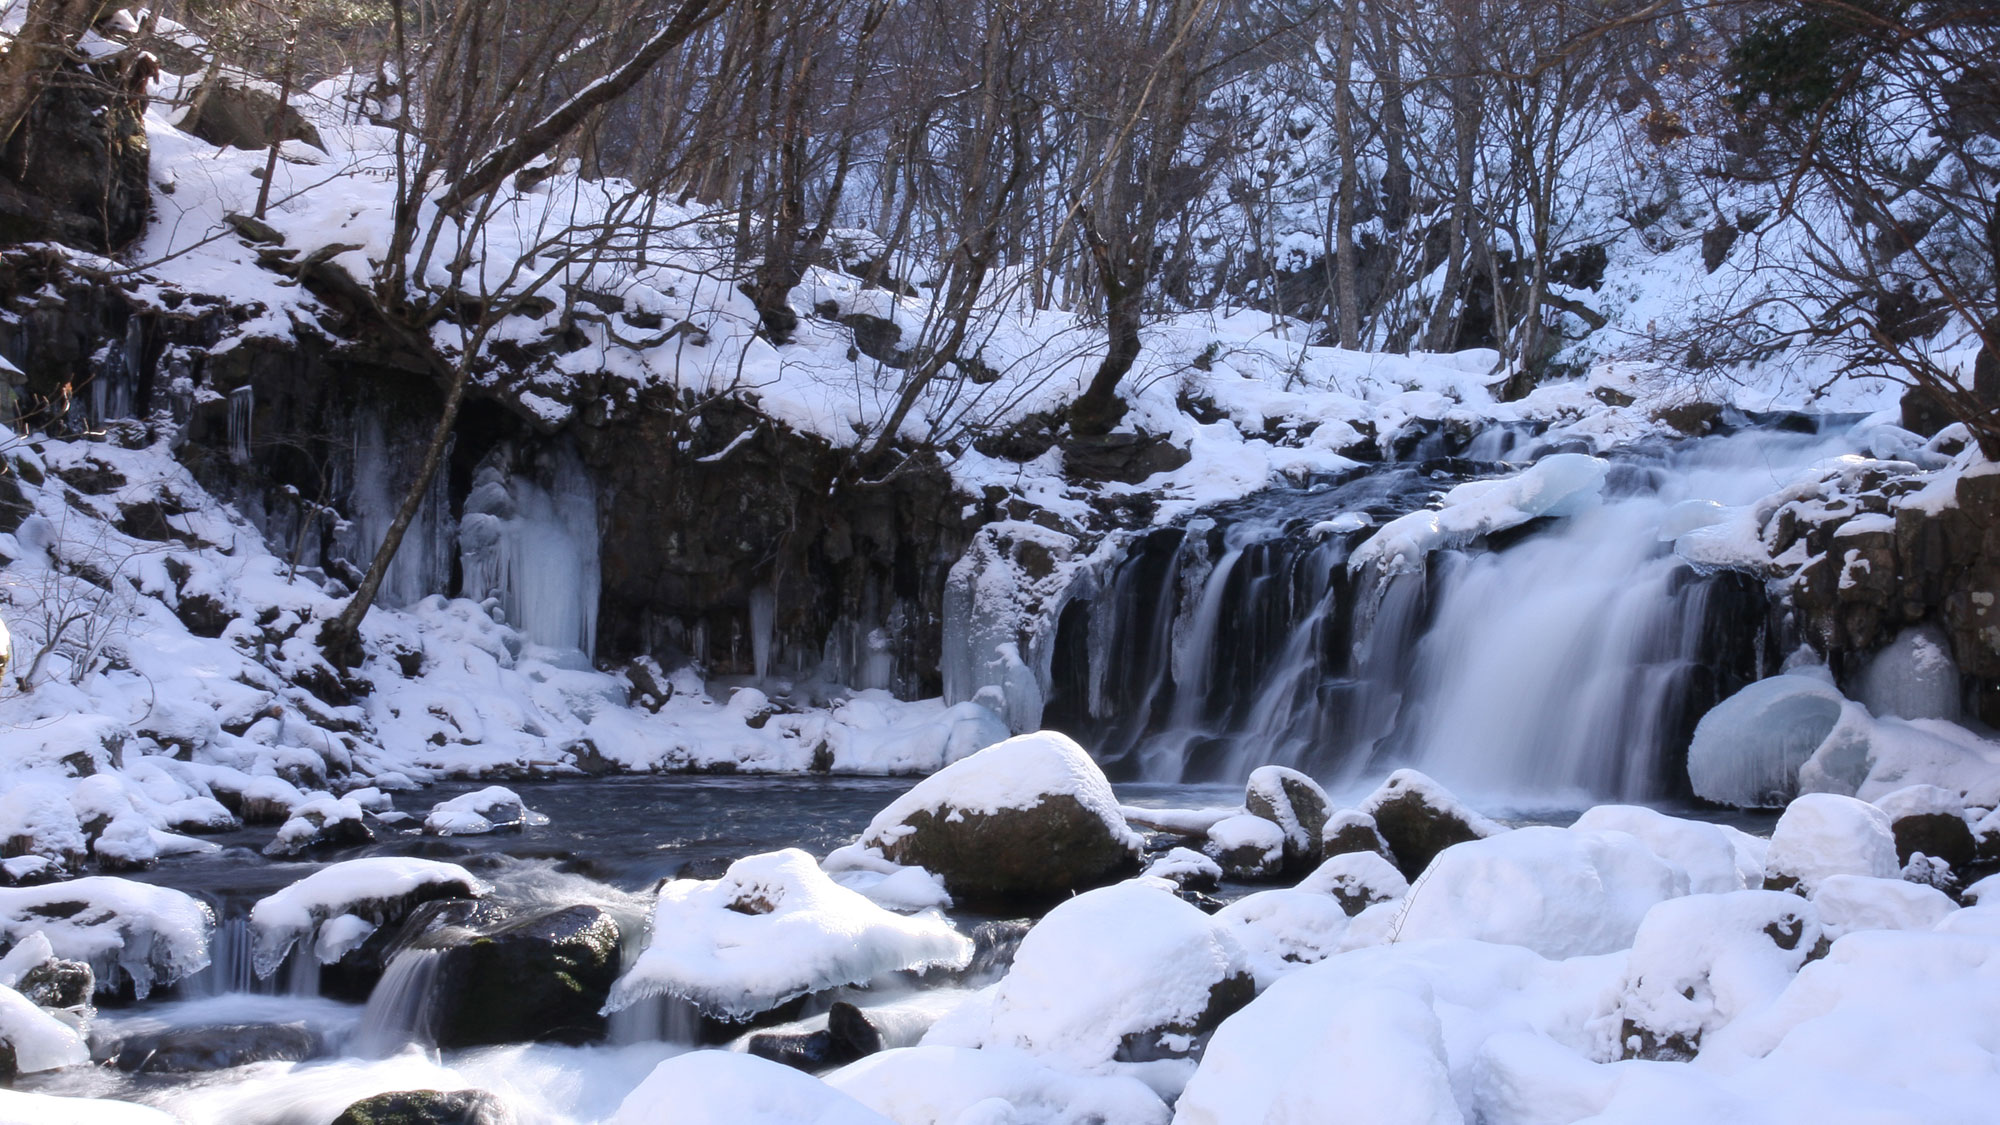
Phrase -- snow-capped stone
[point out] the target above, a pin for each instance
(1699, 962)
(1351, 830)
(1124, 972)
(1747, 750)
(1931, 820)
(1707, 852)
(495, 808)
(1247, 847)
(994, 1084)
(1824, 834)
(1558, 485)
(1358, 880)
(1187, 869)
(1032, 816)
(1848, 903)
(1295, 803)
(773, 928)
(121, 929)
(1558, 892)
(1282, 930)
(728, 1088)
(1420, 818)
(378, 891)
(323, 822)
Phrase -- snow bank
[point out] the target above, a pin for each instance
(1824, 834)
(1849, 903)
(151, 935)
(1558, 485)
(773, 928)
(1699, 962)
(374, 889)
(950, 1085)
(726, 1088)
(1284, 930)
(1558, 892)
(1711, 855)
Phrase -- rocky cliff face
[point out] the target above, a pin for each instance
(76, 171)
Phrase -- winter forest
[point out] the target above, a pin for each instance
(1047, 562)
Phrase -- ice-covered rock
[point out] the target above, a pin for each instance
(1871, 758)
(1247, 847)
(378, 890)
(1848, 903)
(1295, 803)
(1032, 816)
(1357, 880)
(1420, 818)
(320, 823)
(727, 1088)
(36, 1040)
(1913, 677)
(1282, 930)
(1714, 862)
(1124, 972)
(775, 927)
(953, 1085)
(1559, 892)
(1824, 834)
(906, 890)
(1748, 749)
(152, 936)
(1699, 962)
(495, 808)
(1558, 485)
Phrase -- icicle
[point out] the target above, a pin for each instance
(763, 615)
(242, 405)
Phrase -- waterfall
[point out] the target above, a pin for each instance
(399, 1009)
(232, 967)
(242, 406)
(529, 539)
(1566, 658)
(763, 614)
(382, 467)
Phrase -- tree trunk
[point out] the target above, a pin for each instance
(1442, 332)
(1346, 286)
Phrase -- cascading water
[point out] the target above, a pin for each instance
(530, 540)
(1566, 658)
(399, 1009)
(381, 470)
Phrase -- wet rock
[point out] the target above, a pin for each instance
(1419, 818)
(802, 1050)
(192, 1050)
(1296, 804)
(58, 984)
(1124, 457)
(539, 978)
(428, 1107)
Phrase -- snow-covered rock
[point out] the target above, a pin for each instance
(773, 928)
(1714, 862)
(1187, 869)
(123, 930)
(376, 891)
(1351, 830)
(1558, 485)
(1357, 880)
(1124, 972)
(1282, 930)
(952, 1085)
(1558, 892)
(322, 822)
(1031, 816)
(37, 1040)
(728, 1088)
(1420, 818)
(1699, 962)
(495, 808)
(1247, 847)
(906, 890)
(1747, 749)
(1848, 903)
(1295, 803)
(1931, 820)
(1824, 834)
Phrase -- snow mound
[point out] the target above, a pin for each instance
(1558, 892)
(1825, 834)
(905, 890)
(1848, 903)
(372, 889)
(1558, 485)
(1110, 970)
(151, 935)
(1284, 930)
(1699, 962)
(775, 927)
(727, 1088)
(1748, 749)
(492, 809)
(948, 1085)
(1185, 867)
(39, 1040)
(1712, 858)
(1358, 880)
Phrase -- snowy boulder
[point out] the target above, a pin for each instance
(32, 968)
(1709, 853)
(726, 1088)
(952, 1085)
(32, 1040)
(1031, 817)
(1283, 930)
(1351, 830)
(1848, 903)
(323, 823)
(771, 930)
(1249, 848)
(1556, 891)
(1357, 880)
(543, 977)
(151, 936)
(1699, 962)
(492, 809)
(1561, 484)
(1127, 972)
(1824, 834)
(1420, 818)
(1293, 802)
(379, 891)
(36, 819)
(1187, 869)
(1931, 820)
(1748, 749)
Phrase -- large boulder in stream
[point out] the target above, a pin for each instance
(1420, 818)
(1030, 818)
(348, 915)
(542, 977)
(428, 1107)
(1293, 802)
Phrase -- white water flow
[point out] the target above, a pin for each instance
(381, 471)
(531, 542)
(399, 1009)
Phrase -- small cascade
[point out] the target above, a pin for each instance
(242, 406)
(1563, 658)
(763, 618)
(399, 1009)
(529, 539)
(382, 465)
(655, 1019)
(232, 967)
